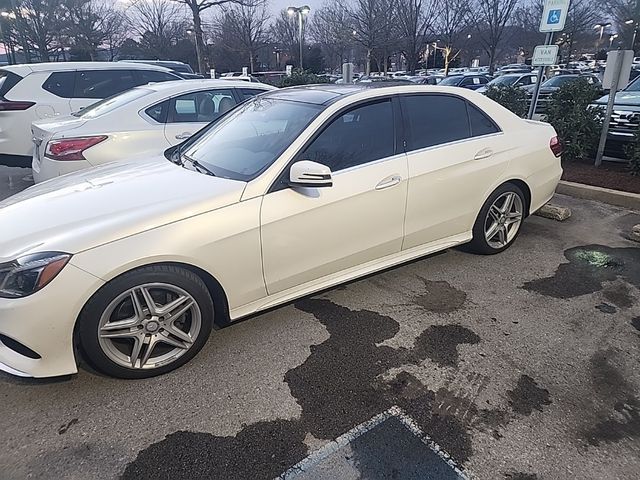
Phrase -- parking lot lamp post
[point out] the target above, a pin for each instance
(191, 31)
(301, 12)
(631, 21)
(611, 39)
(601, 26)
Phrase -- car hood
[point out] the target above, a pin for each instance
(86, 209)
(622, 98)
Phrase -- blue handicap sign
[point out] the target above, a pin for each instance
(554, 17)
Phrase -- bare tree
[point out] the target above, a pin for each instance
(196, 7)
(373, 27)
(415, 20)
(527, 20)
(491, 17)
(159, 23)
(581, 17)
(453, 25)
(244, 29)
(38, 26)
(332, 30)
(91, 24)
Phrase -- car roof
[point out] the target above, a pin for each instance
(23, 69)
(326, 94)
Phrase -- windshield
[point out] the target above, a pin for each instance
(109, 104)
(454, 81)
(559, 81)
(504, 80)
(251, 137)
(633, 86)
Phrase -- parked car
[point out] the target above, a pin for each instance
(470, 81)
(625, 119)
(548, 88)
(514, 79)
(376, 79)
(294, 191)
(142, 122)
(181, 69)
(428, 79)
(45, 90)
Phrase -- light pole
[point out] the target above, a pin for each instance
(601, 26)
(631, 21)
(191, 31)
(301, 11)
(611, 39)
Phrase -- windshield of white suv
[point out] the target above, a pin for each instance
(109, 104)
(251, 137)
(504, 80)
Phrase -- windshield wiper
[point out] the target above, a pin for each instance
(197, 165)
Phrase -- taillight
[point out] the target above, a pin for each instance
(556, 146)
(71, 148)
(11, 105)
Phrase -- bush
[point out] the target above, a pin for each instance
(577, 123)
(633, 154)
(299, 77)
(510, 97)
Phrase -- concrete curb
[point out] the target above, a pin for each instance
(605, 195)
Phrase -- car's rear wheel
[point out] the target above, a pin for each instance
(499, 221)
(146, 322)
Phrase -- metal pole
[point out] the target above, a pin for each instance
(300, 21)
(536, 89)
(607, 115)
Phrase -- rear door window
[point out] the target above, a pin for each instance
(246, 93)
(481, 124)
(434, 120)
(61, 84)
(102, 83)
(201, 107)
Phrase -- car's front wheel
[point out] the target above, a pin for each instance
(146, 322)
(499, 221)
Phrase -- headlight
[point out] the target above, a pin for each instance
(30, 273)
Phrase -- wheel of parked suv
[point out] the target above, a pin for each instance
(499, 221)
(146, 322)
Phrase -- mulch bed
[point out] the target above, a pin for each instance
(609, 175)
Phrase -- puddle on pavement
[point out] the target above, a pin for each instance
(588, 268)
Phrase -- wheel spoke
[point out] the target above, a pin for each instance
(508, 203)
(176, 308)
(502, 235)
(492, 231)
(148, 300)
(495, 212)
(173, 342)
(127, 332)
(150, 342)
(135, 352)
(176, 332)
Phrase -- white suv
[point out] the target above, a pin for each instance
(43, 90)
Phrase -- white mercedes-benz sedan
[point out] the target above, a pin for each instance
(132, 265)
(138, 123)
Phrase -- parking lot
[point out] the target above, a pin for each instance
(522, 365)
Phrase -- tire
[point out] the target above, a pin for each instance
(492, 214)
(121, 336)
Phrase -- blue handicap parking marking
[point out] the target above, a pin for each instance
(554, 17)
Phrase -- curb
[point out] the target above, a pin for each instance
(605, 195)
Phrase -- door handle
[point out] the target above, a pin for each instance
(482, 154)
(183, 135)
(389, 182)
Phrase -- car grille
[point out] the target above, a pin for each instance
(543, 102)
(624, 122)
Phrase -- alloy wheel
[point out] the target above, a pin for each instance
(503, 220)
(149, 325)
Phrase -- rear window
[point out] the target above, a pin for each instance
(102, 83)
(150, 76)
(247, 93)
(8, 80)
(60, 84)
(109, 104)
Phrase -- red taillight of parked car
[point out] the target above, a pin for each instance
(71, 148)
(556, 146)
(12, 106)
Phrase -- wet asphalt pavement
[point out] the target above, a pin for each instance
(521, 366)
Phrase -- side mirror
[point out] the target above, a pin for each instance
(310, 174)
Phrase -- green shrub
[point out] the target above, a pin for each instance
(633, 154)
(510, 97)
(305, 77)
(578, 124)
